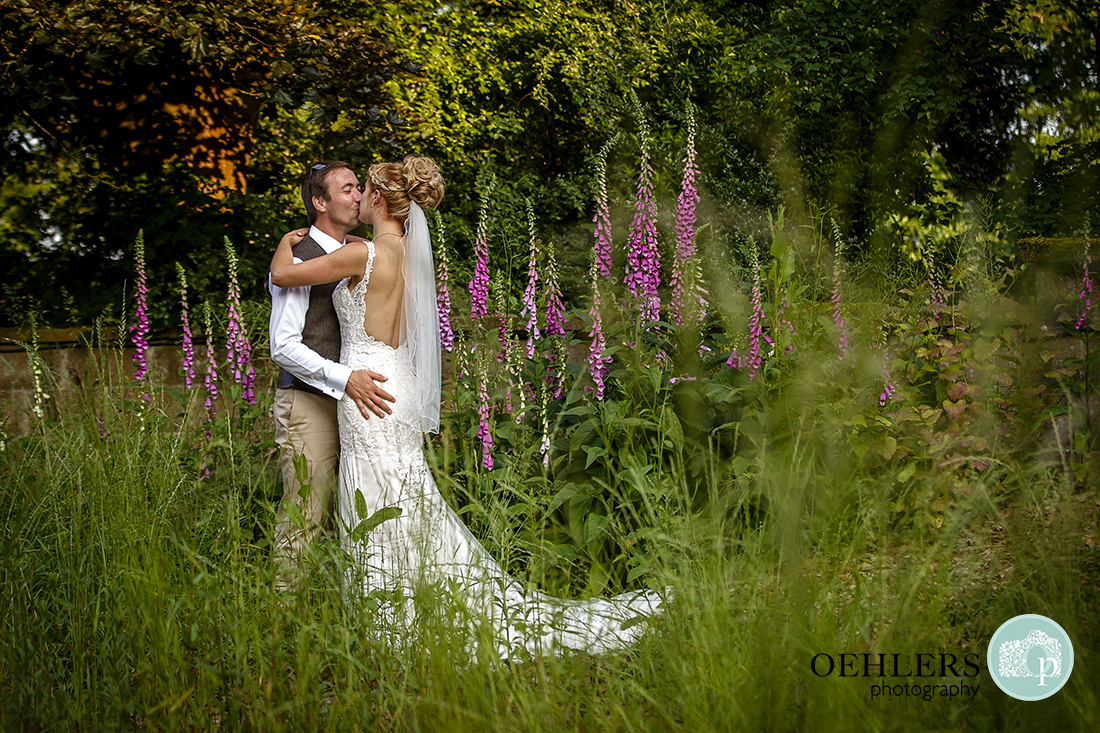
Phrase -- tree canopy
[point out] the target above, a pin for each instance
(195, 120)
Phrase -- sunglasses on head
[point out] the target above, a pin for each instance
(312, 179)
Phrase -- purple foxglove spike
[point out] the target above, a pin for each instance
(484, 431)
(603, 244)
(443, 292)
(643, 275)
(140, 330)
(188, 337)
(597, 359)
(479, 286)
(237, 345)
(1086, 291)
(555, 309)
(210, 379)
(530, 309)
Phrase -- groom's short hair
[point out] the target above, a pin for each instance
(315, 183)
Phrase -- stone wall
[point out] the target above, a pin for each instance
(72, 361)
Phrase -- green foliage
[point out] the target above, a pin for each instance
(791, 514)
(204, 115)
(191, 120)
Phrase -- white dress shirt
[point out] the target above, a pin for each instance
(288, 318)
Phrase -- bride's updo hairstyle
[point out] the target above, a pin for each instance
(415, 178)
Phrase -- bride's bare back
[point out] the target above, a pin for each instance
(385, 290)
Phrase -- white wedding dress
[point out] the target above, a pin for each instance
(428, 542)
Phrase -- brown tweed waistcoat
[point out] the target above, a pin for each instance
(322, 329)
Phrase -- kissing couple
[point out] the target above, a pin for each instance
(347, 316)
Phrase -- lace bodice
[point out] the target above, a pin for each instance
(397, 435)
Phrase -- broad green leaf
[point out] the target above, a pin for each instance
(294, 514)
(567, 492)
(301, 472)
(595, 452)
(382, 515)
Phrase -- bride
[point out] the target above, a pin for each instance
(386, 305)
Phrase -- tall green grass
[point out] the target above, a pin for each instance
(791, 516)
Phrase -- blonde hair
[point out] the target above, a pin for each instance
(415, 178)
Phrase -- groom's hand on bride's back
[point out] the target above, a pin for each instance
(367, 394)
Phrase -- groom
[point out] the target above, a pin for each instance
(305, 343)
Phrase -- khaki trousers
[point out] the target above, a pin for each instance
(305, 426)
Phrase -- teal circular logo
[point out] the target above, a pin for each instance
(1030, 657)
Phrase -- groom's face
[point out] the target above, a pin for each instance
(342, 206)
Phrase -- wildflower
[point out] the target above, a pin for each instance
(188, 337)
(530, 309)
(602, 245)
(1086, 288)
(643, 267)
(140, 330)
(783, 309)
(484, 432)
(461, 355)
(443, 293)
(889, 389)
(555, 321)
(756, 323)
(37, 372)
(544, 422)
(211, 378)
(685, 229)
(502, 319)
(236, 343)
(598, 360)
(508, 347)
(479, 286)
(555, 310)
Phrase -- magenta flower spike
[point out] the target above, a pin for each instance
(236, 343)
(889, 389)
(555, 309)
(752, 360)
(484, 431)
(602, 245)
(643, 265)
(530, 308)
(598, 359)
(555, 322)
(685, 232)
(188, 337)
(509, 350)
(479, 286)
(210, 380)
(1086, 287)
(139, 332)
(756, 324)
(443, 293)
